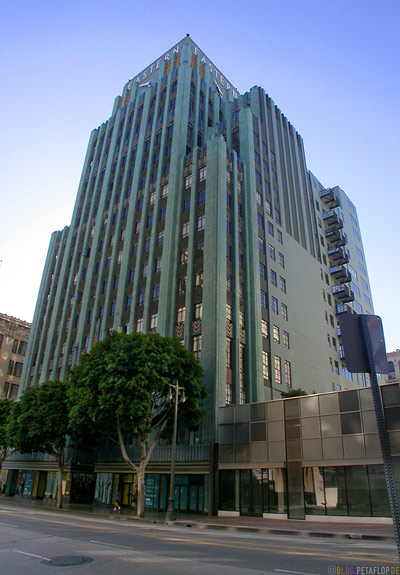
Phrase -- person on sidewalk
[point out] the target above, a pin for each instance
(116, 501)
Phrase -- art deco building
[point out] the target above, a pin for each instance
(393, 358)
(14, 334)
(197, 217)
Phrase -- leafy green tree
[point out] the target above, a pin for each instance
(6, 409)
(41, 424)
(295, 392)
(121, 389)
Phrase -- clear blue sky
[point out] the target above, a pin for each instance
(333, 68)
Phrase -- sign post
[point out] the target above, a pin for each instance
(364, 348)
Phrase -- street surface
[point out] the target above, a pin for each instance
(37, 542)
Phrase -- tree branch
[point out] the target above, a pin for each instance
(124, 453)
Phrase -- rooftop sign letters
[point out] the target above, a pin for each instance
(219, 79)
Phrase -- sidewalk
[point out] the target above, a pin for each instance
(354, 529)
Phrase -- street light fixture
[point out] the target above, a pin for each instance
(174, 387)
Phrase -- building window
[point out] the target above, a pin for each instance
(273, 278)
(279, 236)
(264, 327)
(201, 197)
(288, 374)
(277, 369)
(152, 198)
(228, 360)
(200, 223)
(163, 213)
(185, 230)
(281, 259)
(137, 229)
(156, 292)
(128, 301)
(282, 283)
(17, 369)
(10, 367)
(263, 296)
(274, 303)
(270, 228)
(271, 252)
(184, 256)
(186, 204)
(188, 181)
(262, 271)
(145, 269)
(268, 207)
(141, 296)
(260, 220)
(284, 311)
(181, 285)
(139, 325)
(202, 174)
(276, 334)
(164, 191)
(197, 346)
(285, 339)
(160, 238)
(153, 322)
(198, 310)
(265, 357)
(158, 263)
(198, 279)
(258, 198)
(261, 244)
(131, 275)
(112, 308)
(180, 316)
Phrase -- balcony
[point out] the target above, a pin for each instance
(338, 255)
(341, 274)
(332, 220)
(329, 197)
(343, 308)
(343, 293)
(336, 238)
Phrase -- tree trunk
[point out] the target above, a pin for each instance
(59, 500)
(140, 490)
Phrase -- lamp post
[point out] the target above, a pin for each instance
(170, 516)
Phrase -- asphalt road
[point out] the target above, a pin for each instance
(42, 542)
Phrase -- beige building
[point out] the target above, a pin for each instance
(394, 366)
(14, 334)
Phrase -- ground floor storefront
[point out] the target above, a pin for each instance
(191, 491)
(354, 490)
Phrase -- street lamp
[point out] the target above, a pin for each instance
(169, 516)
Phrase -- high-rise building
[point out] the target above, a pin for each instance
(14, 334)
(196, 217)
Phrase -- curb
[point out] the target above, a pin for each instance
(291, 532)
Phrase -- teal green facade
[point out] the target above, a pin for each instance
(197, 217)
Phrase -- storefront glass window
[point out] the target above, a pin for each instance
(335, 491)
